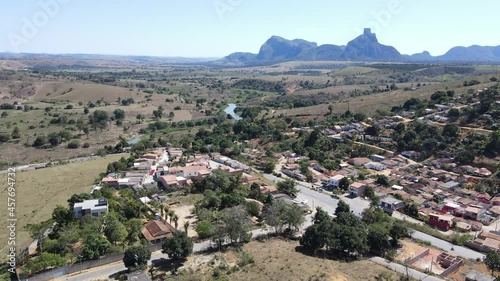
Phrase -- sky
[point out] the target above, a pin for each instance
(216, 28)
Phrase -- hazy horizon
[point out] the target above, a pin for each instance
(216, 28)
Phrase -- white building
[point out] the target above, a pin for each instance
(95, 208)
(335, 180)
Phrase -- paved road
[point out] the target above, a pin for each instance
(357, 205)
(105, 271)
(402, 269)
(446, 246)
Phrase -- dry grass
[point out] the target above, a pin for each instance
(278, 260)
(38, 192)
(83, 92)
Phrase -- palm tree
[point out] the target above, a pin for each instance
(175, 218)
(171, 214)
(186, 226)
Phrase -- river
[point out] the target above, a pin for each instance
(230, 110)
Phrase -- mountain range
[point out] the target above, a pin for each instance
(363, 48)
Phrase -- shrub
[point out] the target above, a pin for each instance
(86, 145)
(73, 145)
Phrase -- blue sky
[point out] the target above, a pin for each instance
(214, 28)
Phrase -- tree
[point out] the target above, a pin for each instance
(119, 114)
(39, 141)
(95, 246)
(383, 180)
(454, 113)
(344, 184)
(451, 130)
(175, 218)
(114, 230)
(186, 226)
(398, 231)
(178, 247)
(204, 229)
(252, 208)
(288, 187)
(136, 258)
(492, 261)
(236, 224)
(62, 215)
(269, 165)
(312, 238)
(16, 133)
(45, 261)
(342, 207)
(369, 192)
(330, 109)
(320, 216)
(99, 119)
(37, 231)
(134, 227)
(85, 111)
(378, 238)
(78, 198)
(279, 214)
(4, 114)
(4, 137)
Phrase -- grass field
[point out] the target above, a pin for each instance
(38, 192)
(353, 70)
(278, 260)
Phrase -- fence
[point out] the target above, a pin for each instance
(58, 272)
(417, 257)
(451, 269)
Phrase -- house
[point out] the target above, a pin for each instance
(483, 172)
(390, 204)
(441, 119)
(268, 189)
(397, 187)
(441, 221)
(360, 161)
(95, 208)
(410, 154)
(495, 211)
(484, 198)
(377, 158)
(495, 201)
(375, 166)
(171, 182)
(156, 231)
(335, 180)
(473, 213)
(111, 182)
(357, 189)
(150, 156)
(449, 185)
(159, 198)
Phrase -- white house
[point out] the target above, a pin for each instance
(335, 180)
(95, 208)
(375, 166)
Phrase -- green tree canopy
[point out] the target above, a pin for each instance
(136, 257)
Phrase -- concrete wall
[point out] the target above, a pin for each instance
(58, 272)
(417, 257)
